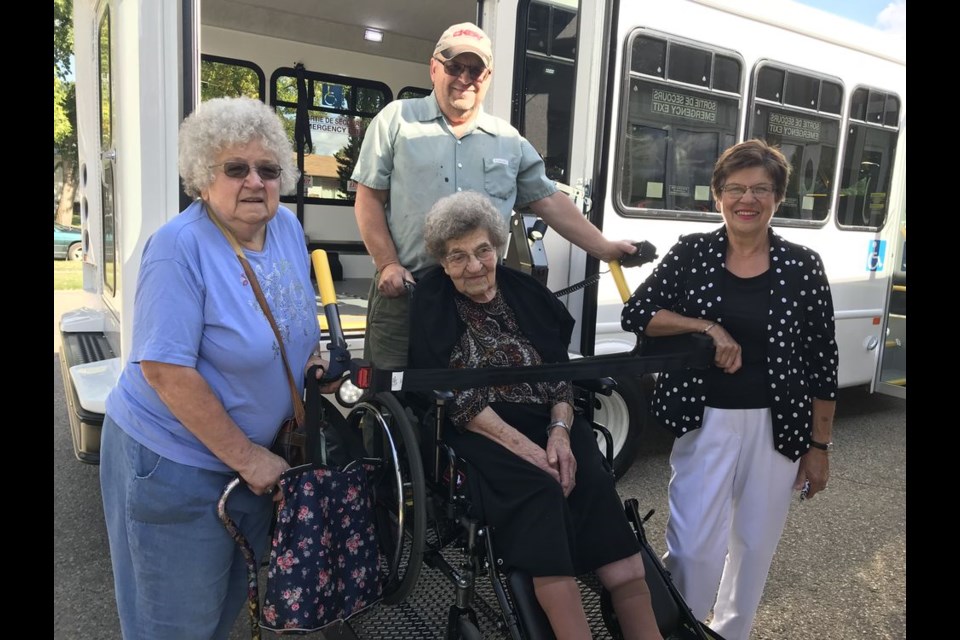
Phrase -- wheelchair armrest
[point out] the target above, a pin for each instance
(603, 386)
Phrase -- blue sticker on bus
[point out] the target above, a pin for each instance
(875, 252)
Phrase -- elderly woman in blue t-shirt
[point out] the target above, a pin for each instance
(205, 388)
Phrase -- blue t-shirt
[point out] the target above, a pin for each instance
(195, 308)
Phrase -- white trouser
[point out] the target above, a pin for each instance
(729, 497)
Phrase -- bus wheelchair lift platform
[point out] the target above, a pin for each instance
(442, 578)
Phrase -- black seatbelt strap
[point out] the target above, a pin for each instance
(301, 132)
(687, 351)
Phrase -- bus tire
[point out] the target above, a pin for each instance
(624, 414)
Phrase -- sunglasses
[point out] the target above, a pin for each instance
(451, 68)
(240, 170)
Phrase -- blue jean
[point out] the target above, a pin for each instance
(177, 572)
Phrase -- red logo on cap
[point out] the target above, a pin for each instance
(467, 32)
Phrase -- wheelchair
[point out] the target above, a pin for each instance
(425, 526)
(439, 561)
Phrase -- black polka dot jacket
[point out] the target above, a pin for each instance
(801, 349)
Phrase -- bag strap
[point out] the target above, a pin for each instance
(298, 410)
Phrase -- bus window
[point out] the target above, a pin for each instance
(543, 116)
(800, 113)
(340, 109)
(107, 154)
(413, 92)
(868, 159)
(230, 78)
(682, 105)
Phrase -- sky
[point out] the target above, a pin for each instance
(886, 15)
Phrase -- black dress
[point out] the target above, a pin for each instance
(534, 527)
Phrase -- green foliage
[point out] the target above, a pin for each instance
(346, 161)
(219, 80)
(62, 37)
(64, 103)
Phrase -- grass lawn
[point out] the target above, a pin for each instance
(67, 275)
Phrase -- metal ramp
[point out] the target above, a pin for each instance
(423, 616)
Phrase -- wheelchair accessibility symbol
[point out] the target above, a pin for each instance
(875, 253)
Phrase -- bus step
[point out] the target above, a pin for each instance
(85, 426)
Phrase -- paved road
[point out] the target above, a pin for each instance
(839, 574)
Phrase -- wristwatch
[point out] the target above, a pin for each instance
(823, 446)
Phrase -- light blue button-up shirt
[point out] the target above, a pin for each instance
(410, 150)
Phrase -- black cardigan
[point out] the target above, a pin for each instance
(435, 326)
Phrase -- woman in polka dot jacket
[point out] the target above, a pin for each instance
(757, 425)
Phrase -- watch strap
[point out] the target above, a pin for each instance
(823, 446)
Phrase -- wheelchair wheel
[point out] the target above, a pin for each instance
(399, 490)
(624, 414)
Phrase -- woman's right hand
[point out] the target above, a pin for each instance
(261, 471)
(728, 356)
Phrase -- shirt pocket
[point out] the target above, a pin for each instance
(500, 177)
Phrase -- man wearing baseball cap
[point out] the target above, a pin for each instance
(419, 150)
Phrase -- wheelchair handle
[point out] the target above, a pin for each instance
(339, 355)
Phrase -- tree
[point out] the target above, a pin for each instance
(346, 161)
(219, 80)
(64, 110)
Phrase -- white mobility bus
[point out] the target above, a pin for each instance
(629, 102)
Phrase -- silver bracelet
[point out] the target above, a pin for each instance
(557, 423)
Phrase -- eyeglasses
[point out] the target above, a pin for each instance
(451, 68)
(739, 190)
(459, 259)
(240, 170)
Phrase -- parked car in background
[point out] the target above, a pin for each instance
(67, 243)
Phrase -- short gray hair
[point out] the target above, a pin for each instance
(462, 213)
(222, 123)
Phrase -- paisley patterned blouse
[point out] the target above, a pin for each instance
(493, 339)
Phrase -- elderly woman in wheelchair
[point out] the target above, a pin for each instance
(535, 470)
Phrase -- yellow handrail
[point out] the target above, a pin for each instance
(617, 272)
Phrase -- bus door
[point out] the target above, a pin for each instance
(891, 376)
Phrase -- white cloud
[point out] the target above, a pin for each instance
(893, 19)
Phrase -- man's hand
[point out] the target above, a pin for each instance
(616, 249)
(391, 281)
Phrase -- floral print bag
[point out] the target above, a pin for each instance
(324, 561)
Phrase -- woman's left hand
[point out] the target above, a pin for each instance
(329, 387)
(815, 467)
(560, 457)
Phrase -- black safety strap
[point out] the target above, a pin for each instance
(687, 351)
(301, 132)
